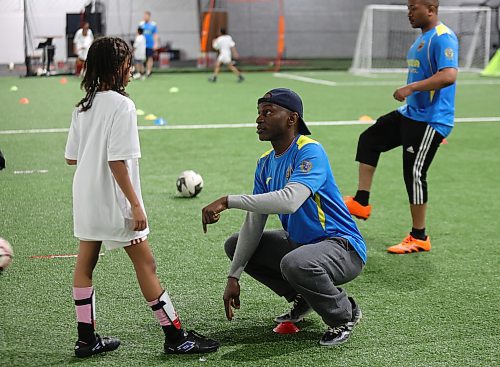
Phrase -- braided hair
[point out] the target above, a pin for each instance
(108, 60)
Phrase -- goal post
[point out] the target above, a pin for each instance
(385, 35)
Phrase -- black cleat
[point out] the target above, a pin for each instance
(192, 343)
(212, 79)
(299, 309)
(100, 345)
(240, 78)
(340, 334)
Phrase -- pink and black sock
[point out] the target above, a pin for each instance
(173, 330)
(85, 313)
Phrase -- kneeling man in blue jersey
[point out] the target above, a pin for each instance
(419, 126)
(319, 247)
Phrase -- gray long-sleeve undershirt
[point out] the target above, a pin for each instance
(285, 201)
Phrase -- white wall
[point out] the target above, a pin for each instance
(11, 46)
(11, 29)
(314, 28)
(177, 22)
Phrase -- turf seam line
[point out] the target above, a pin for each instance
(331, 83)
(305, 79)
(233, 126)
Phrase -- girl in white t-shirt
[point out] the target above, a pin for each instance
(103, 143)
(81, 44)
(226, 47)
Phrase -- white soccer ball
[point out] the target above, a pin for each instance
(189, 184)
(6, 254)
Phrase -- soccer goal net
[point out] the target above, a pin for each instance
(385, 35)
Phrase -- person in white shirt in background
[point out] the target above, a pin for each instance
(139, 53)
(226, 47)
(81, 44)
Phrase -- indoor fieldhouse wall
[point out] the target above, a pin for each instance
(177, 21)
(314, 28)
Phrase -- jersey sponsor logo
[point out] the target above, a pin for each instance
(306, 166)
(449, 53)
(421, 46)
(268, 180)
(410, 149)
(413, 63)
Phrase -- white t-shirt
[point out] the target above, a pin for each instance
(83, 43)
(224, 44)
(106, 132)
(140, 47)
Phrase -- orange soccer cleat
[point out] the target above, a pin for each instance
(356, 209)
(411, 244)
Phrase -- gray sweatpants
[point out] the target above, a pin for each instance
(315, 271)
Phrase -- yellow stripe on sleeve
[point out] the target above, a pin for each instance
(321, 213)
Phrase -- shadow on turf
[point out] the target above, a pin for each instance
(253, 344)
(402, 273)
(260, 342)
(178, 197)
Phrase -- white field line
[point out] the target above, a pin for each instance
(28, 172)
(305, 79)
(57, 256)
(330, 83)
(235, 126)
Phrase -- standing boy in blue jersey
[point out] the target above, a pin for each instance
(419, 126)
(319, 247)
(150, 32)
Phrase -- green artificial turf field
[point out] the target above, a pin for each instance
(428, 309)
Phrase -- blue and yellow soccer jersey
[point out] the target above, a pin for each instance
(434, 50)
(323, 214)
(149, 29)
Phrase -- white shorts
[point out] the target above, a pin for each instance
(111, 245)
(224, 59)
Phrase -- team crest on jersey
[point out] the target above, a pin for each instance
(288, 173)
(421, 46)
(449, 53)
(306, 166)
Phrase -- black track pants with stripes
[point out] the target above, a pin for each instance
(419, 141)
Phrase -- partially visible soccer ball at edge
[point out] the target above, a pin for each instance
(6, 254)
(189, 183)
